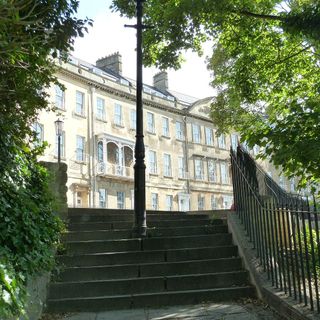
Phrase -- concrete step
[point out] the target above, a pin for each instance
(157, 243)
(120, 225)
(145, 300)
(149, 269)
(152, 232)
(147, 285)
(154, 256)
(130, 217)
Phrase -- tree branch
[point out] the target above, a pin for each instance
(259, 15)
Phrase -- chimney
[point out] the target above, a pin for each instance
(160, 81)
(112, 62)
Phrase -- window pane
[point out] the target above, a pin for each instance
(101, 109)
(212, 170)
(209, 137)
(152, 162)
(154, 201)
(79, 103)
(165, 127)
(150, 122)
(102, 198)
(234, 141)
(196, 133)
(100, 151)
(133, 119)
(167, 165)
(120, 200)
(179, 130)
(80, 148)
(181, 168)
(118, 114)
(200, 202)
(224, 173)
(169, 202)
(198, 167)
(59, 101)
(222, 141)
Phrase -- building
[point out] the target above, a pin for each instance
(187, 164)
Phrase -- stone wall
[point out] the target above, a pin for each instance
(37, 286)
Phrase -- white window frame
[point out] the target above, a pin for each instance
(118, 120)
(133, 119)
(224, 173)
(121, 200)
(59, 98)
(150, 122)
(153, 162)
(196, 133)
(154, 201)
(209, 136)
(38, 129)
(201, 202)
(100, 109)
(80, 103)
(212, 170)
(169, 202)
(80, 148)
(180, 131)
(198, 169)
(102, 198)
(167, 167)
(181, 168)
(222, 141)
(165, 127)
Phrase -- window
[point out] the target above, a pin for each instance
(165, 127)
(292, 185)
(120, 200)
(181, 168)
(198, 169)
(80, 149)
(154, 201)
(101, 113)
(150, 122)
(167, 172)
(214, 202)
(222, 141)
(224, 173)
(118, 114)
(152, 162)
(59, 98)
(200, 202)
(100, 151)
(169, 202)
(102, 198)
(38, 130)
(179, 130)
(196, 137)
(212, 170)
(209, 136)
(133, 119)
(80, 103)
(282, 182)
(234, 141)
(62, 145)
(227, 201)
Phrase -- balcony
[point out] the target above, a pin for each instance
(114, 171)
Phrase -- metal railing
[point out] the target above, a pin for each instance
(283, 228)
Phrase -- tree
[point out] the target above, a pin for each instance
(265, 63)
(32, 33)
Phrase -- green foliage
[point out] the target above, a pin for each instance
(32, 33)
(265, 64)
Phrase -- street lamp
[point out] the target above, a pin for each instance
(59, 128)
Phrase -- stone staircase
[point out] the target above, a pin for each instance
(186, 259)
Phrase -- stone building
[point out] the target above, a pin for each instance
(187, 164)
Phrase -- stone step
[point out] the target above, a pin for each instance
(147, 285)
(145, 300)
(130, 217)
(152, 232)
(121, 245)
(87, 226)
(154, 256)
(149, 269)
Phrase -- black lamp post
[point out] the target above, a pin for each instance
(140, 221)
(59, 128)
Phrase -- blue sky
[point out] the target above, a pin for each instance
(108, 35)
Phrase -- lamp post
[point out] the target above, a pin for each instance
(59, 128)
(140, 221)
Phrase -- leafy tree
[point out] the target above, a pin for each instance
(265, 64)
(32, 33)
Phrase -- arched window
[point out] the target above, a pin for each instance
(100, 151)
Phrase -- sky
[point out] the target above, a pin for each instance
(108, 35)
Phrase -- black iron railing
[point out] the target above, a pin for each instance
(283, 228)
